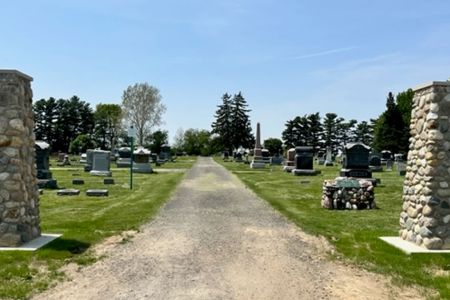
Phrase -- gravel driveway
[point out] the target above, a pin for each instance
(216, 240)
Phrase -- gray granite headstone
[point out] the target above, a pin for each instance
(101, 163)
(141, 162)
(89, 160)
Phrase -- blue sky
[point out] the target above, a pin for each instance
(288, 58)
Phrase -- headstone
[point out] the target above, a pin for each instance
(277, 159)
(68, 192)
(321, 157)
(304, 158)
(61, 157)
(141, 161)
(108, 181)
(124, 160)
(257, 162)
(100, 163)
(165, 154)
(265, 155)
(83, 158)
(425, 216)
(375, 163)
(19, 196)
(398, 157)
(97, 193)
(385, 156)
(389, 164)
(65, 161)
(89, 160)
(225, 155)
(401, 168)
(238, 157)
(356, 163)
(290, 161)
(77, 181)
(328, 157)
(44, 176)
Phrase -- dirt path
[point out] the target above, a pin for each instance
(216, 240)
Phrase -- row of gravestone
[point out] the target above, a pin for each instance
(241, 155)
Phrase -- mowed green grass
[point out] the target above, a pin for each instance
(84, 221)
(355, 234)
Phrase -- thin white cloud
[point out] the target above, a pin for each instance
(323, 53)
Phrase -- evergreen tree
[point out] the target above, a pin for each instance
(45, 116)
(331, 123)
(223, 124)
(315, 130)
(345, 131)
(232, 123)
(389, 132)
(364, 133)
(289, 134)
(404, 103)
(241, 126)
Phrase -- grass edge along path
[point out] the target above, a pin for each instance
(84, 221)
(354, 234)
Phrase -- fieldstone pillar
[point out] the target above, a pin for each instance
(425, 219)
(19, 199)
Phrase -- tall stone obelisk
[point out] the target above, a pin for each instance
(257, 162)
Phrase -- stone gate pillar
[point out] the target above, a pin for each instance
(19, 200)
(425, 219)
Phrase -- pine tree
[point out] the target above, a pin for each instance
(389, 132)
(241, 126)
(223, 124)
(331, 123)
(232, 123)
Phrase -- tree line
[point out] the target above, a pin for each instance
(72, 125)
(390, 131)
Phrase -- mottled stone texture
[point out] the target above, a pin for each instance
(425, 219)
(19, 196)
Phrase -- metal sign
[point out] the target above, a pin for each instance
(132, 132)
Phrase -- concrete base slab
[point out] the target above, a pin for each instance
(35, 244)
(288, 169)
(97, 193)
(257, 165)
(408, 247)
(305, 172)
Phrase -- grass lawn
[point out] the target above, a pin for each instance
(353, 233)
(85, 221)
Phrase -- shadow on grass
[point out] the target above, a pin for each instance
(72, 246)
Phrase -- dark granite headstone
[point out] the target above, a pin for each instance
(356, 163)
(108, 181)
(78, 181)
(225, 155)
(304, 157)
(265, 155)
(375, 163)
(44, 176)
